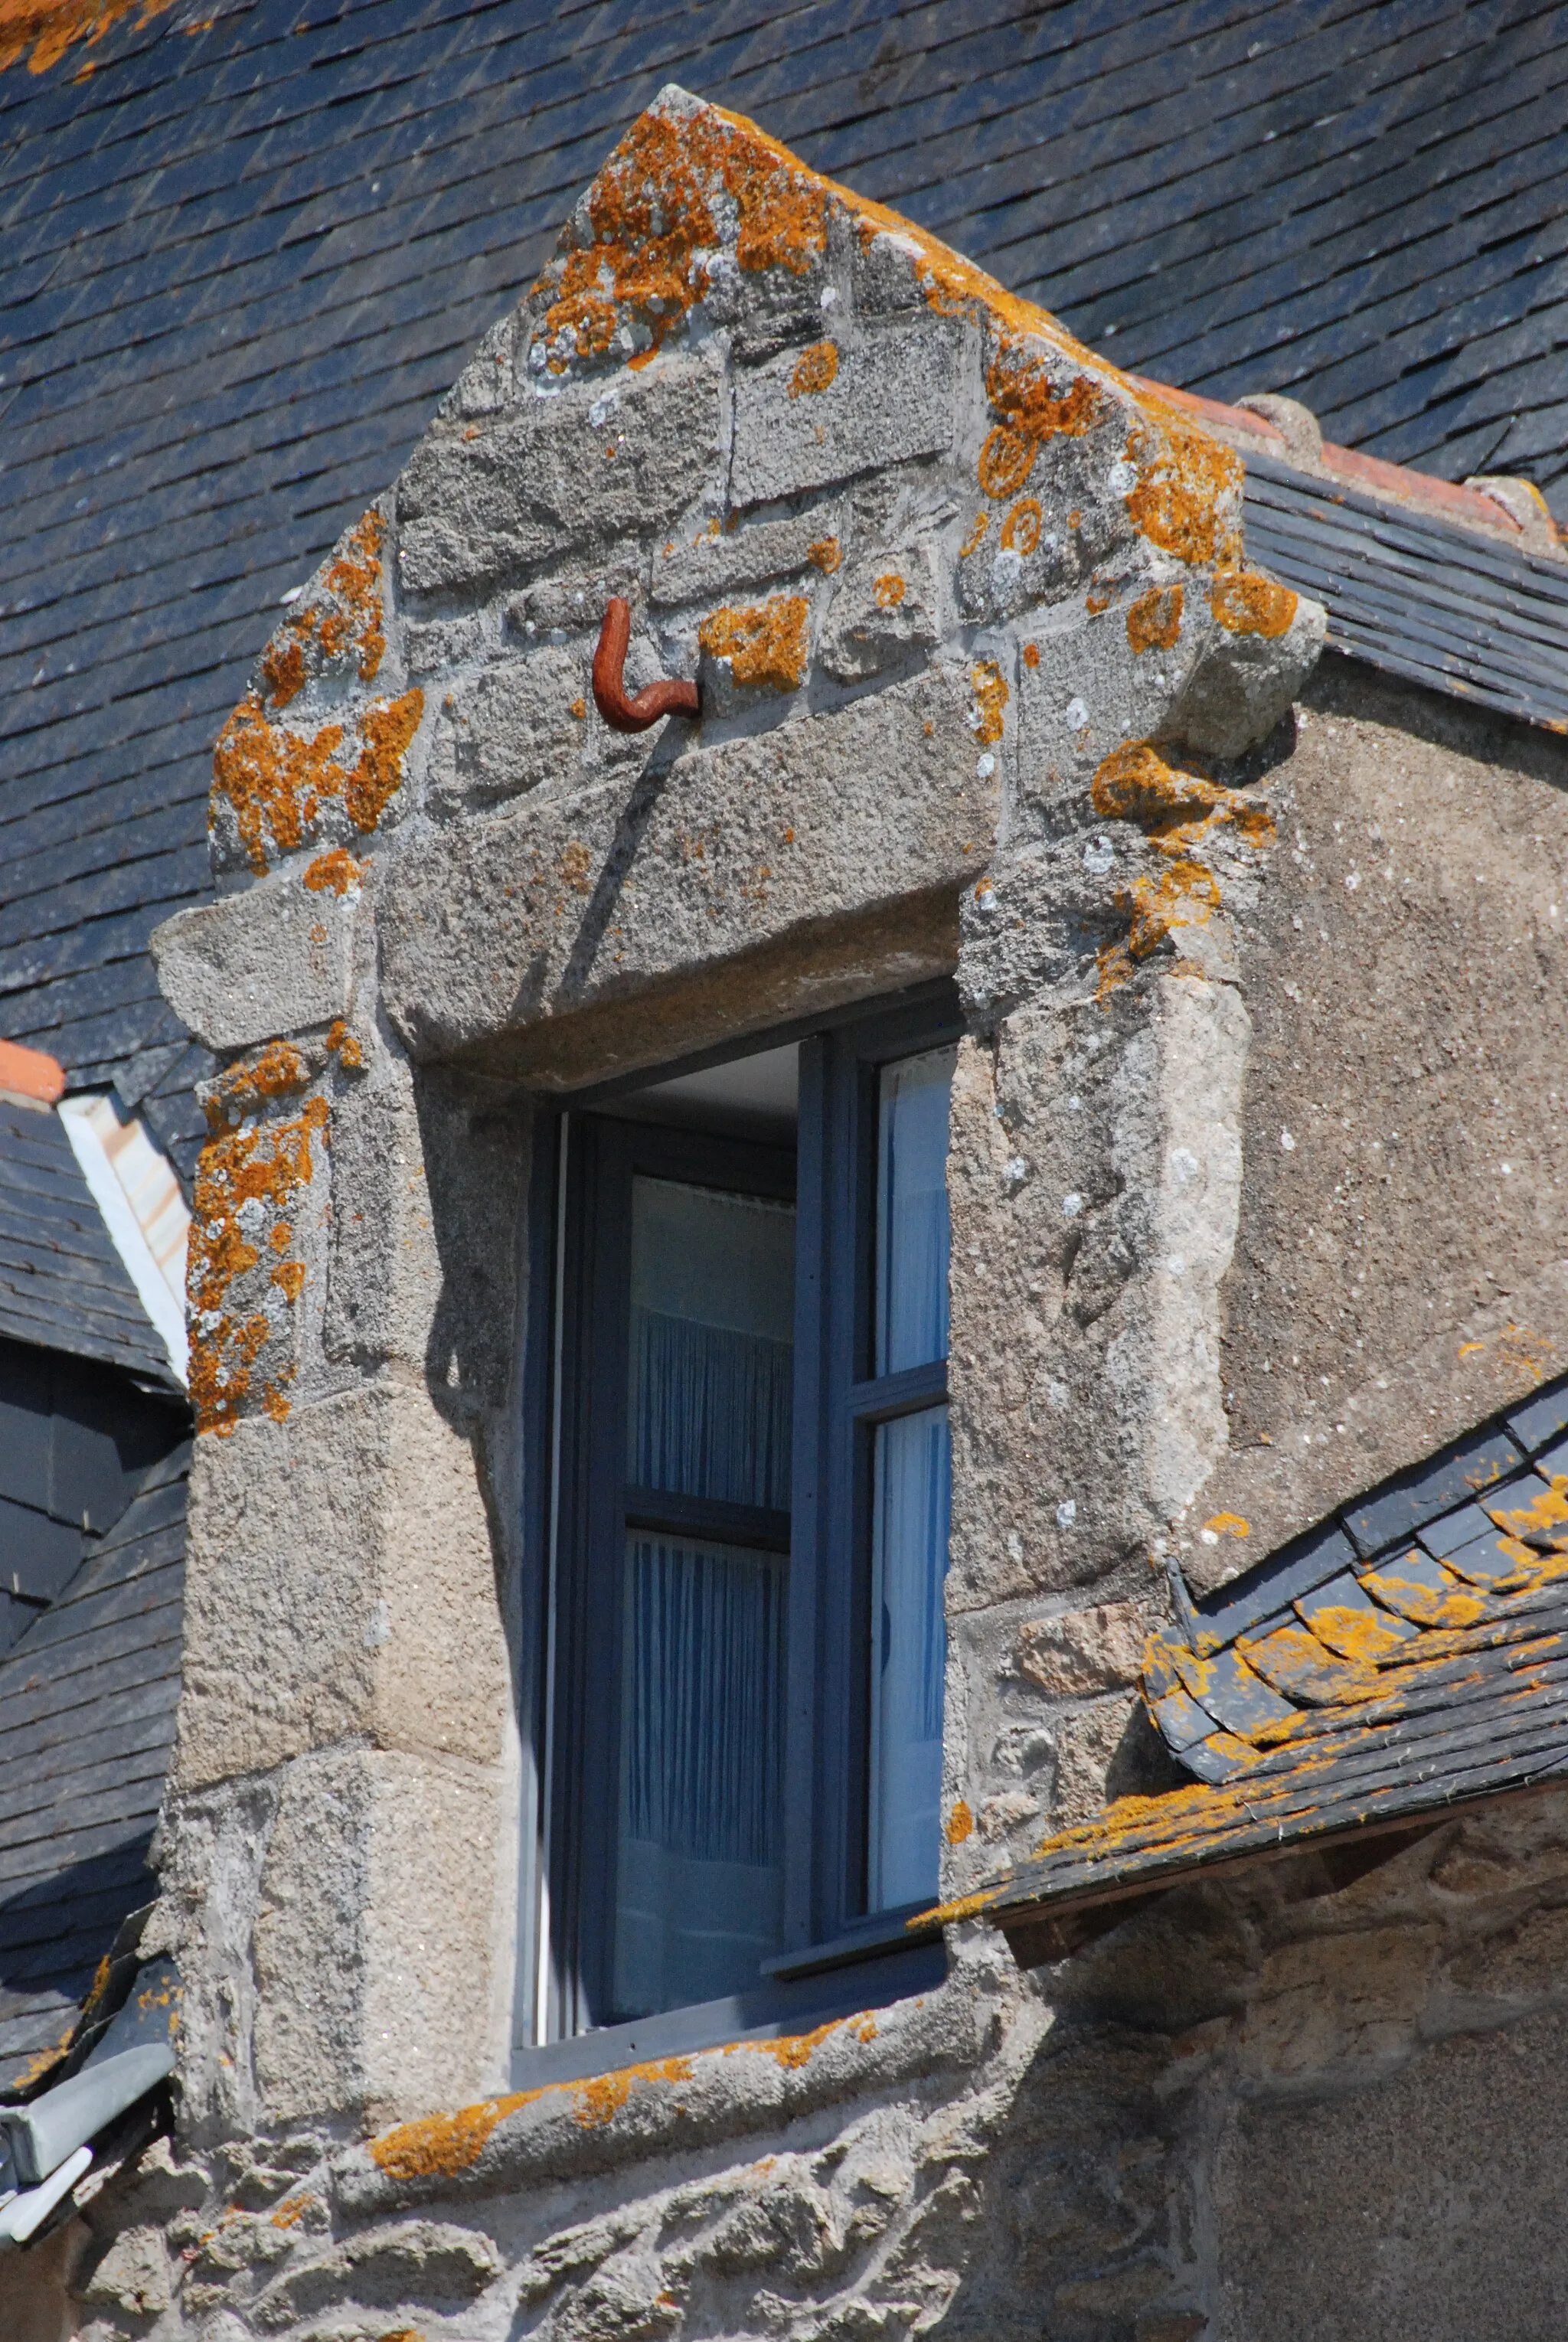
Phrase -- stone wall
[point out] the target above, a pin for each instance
(1259, 2104)
(987, 689)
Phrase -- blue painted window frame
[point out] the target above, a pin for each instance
(836, 1958)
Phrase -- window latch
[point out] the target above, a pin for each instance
(654, 701)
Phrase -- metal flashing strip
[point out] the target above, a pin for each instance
(1416, 596)
(83, 1119)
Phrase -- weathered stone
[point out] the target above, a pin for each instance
(803, 424)
(375, 1939)
(719, 560)
(518, 727)
(133, 2274)
(572, 467)
(1084, 1650)
(340, 1584)
(523, 916)
(276, 959)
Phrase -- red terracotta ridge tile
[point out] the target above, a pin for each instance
(29, 1074)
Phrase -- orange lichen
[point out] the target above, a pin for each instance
(1546, 1512)
(1031, 655)
(1245, 604)
(334, 873)
(387, 731)
(1024, 392)
(890, 592)
(438, 2147)
(1187, 496)
(290, 2211)
(1155, 619)
(991, 696)
(51, 27)
(1178, 811)
(970, 544)
(1454, 1605)
(1228, 1525)
(345, 1045)
(1097, 600)
(339, 628)
(262, 1163)
(766, 647)
(1136, 784)
(599, 2101)
(815, 369)
(279, 1072)
(654, 233)
(1006, 460)
(579, 710)
(959, 1825)
(276, 781)
(826, 554)
(1021, 529)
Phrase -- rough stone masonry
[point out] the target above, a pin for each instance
(987, 687)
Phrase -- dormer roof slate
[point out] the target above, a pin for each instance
(1404, 1657)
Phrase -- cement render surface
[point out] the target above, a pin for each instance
(991, 771)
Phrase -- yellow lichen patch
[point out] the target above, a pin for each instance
(1245, 604)
(1548, 1511)
(1360, 1635)
(1155, 619)
(438, 2147)
(1186, 498)
(815, 369)
(1454, 1605)
(334, 873)
(826, 554)
(600, 2101)
(1228, 1525)
(960, 1825)
(1006, 460)
(1021, 529)
(764, 647)
(50, 28)
(991, 696)
(276, 781)
(890, 592)
(339, 628)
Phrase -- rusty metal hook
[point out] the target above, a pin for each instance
(656, 699)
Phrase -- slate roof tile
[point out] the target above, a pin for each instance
(1345, 1699)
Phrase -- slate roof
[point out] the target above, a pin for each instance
(1407, 1655)
(248, 252)
(87, 1700)
(62, 1283)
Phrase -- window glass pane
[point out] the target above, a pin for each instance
(713, 1326)
(909, 1561)
(911, 1211)
(699, 1875)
